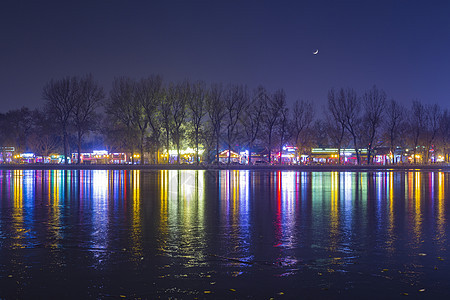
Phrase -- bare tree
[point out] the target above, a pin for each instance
(178, 95)
(444, 134)
(139, 120)
(303, 116)
(126, 108)
(284, 130)
(394, 120)
(165, 109)
(16, 126)
(149, 92)
(84, 114)
(319, 134)
(272, 113)
(216, 112)
(235, 102)
(120, 110)
(338, 113)
(208, 140)
(132, 94)
(374, 102)
(350, 105)
(197, 107)
(416, 125)
(252, 118)
(61, 96)
(116, 135)
(42, 138)
(433, 115)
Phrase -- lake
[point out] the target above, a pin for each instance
(224, 234)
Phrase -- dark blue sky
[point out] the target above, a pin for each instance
(402, 46)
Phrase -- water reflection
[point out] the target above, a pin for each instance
(136, 228)
(417, 187)
(182, 215)
(441, 217)
(180, 221)
(234, 201)
(18, 209)
(390, 227)
(334, 211)
(286, 187)
(96, 182)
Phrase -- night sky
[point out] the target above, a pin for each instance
(402, 46)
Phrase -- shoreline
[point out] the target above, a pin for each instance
(318, 168)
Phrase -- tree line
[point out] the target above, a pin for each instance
(149, 116)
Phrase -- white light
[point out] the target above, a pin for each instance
(100, 152)
(244, 153)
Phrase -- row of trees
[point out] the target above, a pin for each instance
(372, 121)
(148, 116)
(69, 114)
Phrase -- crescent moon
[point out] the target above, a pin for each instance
(315, 52)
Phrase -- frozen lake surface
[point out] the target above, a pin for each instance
(224, 234)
